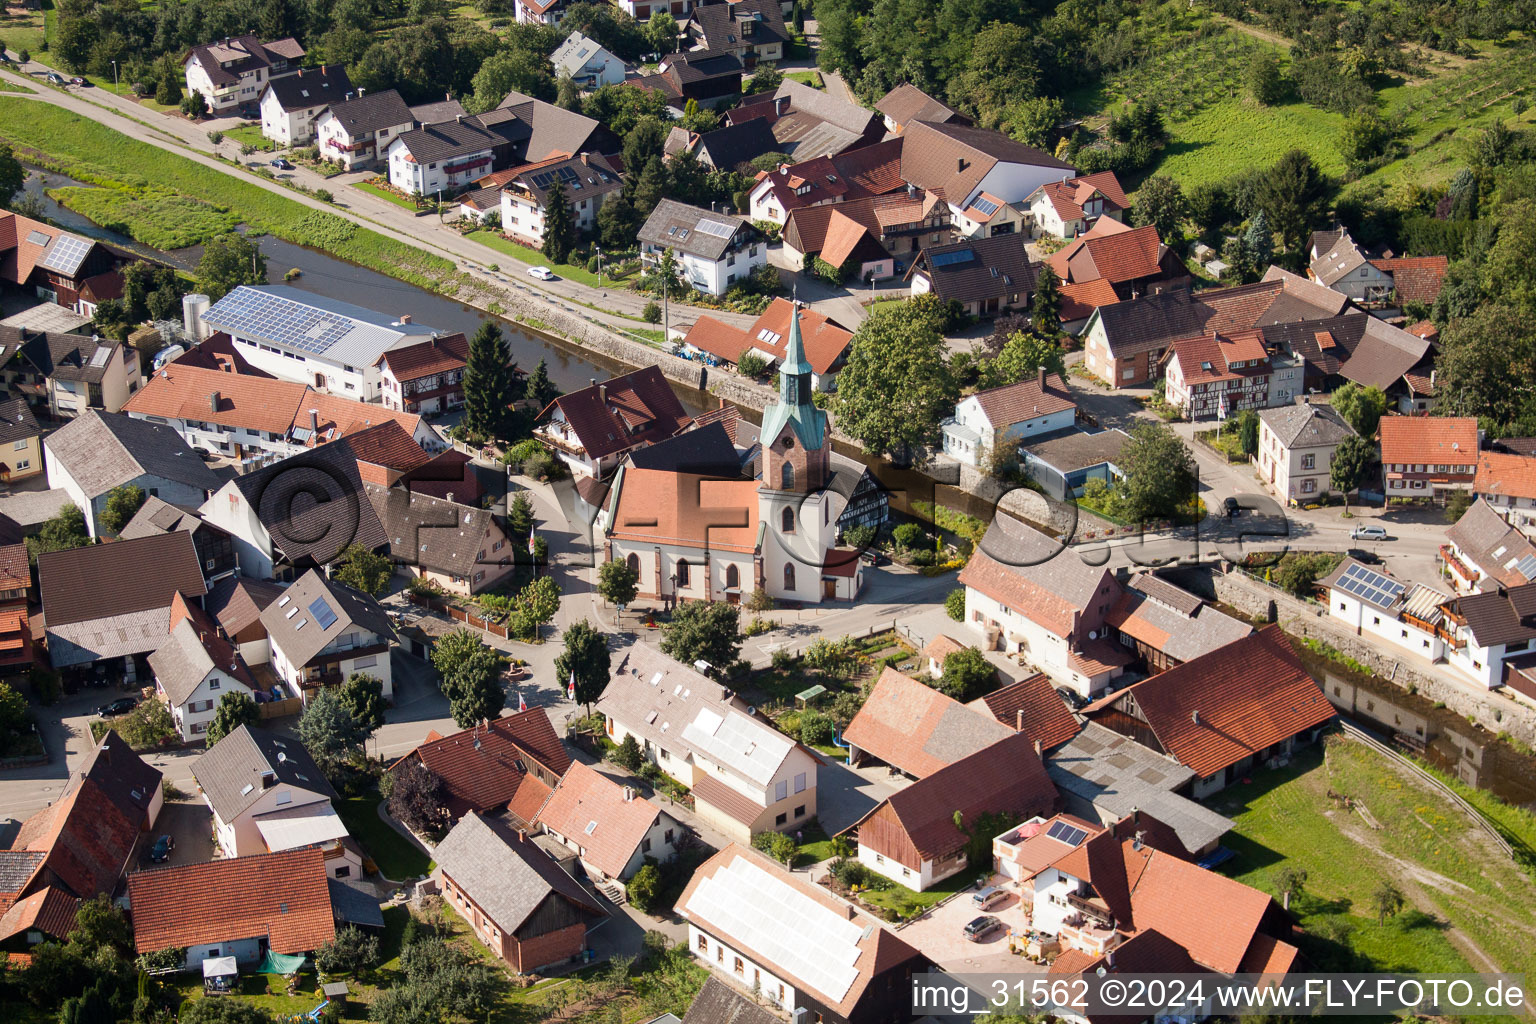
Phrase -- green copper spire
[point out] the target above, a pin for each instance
(795, 389)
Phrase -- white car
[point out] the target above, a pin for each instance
(542, 273)
(1368, 532)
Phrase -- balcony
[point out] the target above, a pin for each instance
(562, 439)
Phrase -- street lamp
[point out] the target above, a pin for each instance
(599, 253)
(114, 76)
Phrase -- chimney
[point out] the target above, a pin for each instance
(1038, 751)
(602, 392)
(1109, 958)
(959, 164)
(213, 402)
(349, 96)
(361, 92)
(629, 794)
(585, 159)
(314, 421)
(450, 495)
(1042, 378)
(301, 72)
(1194, 716)
(459, 118)
(522, 835)
(592, 382)
(322, 70)
(781, 105)
(268, 780)
(1018, 720)
(405, 318)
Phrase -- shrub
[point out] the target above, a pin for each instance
(351, 950)
(782, 659)
(909, 536)
(815, 729)
(652, 313)
(627, 754)
(644, 888)
(848, 873)
(954, 604)
(777, 845)
(324, 195)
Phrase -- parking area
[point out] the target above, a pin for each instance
(190, 824)
(941, 936)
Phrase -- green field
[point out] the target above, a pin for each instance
(1233, 135)
(89, 152)
(164, 220)
(386, 194)
(23, 32)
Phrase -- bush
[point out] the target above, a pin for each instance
(815, 729)
(350, 951)
(651, 314)
(46, 687)
(954, 604)
(627, 754)
(777, 845)
(909, 536)
(849, 873)
(782, 659)
(324, 195)
(644, 888)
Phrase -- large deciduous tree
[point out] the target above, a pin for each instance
(1486, 365)
(1159, 472)
(228, 262)
(123, 503)
(585, 657)
(1361, 407)
(618, 582)
(1160, 203)
(897, 386)
(233, 711)
(1022, 357)
(471, 677)
(703, 631)
(362, 569)
(1351, 466)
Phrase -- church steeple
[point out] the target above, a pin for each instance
(795, 370)
(794, 430)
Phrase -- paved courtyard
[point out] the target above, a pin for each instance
(941, 936)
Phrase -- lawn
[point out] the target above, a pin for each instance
(532, 257)
(397, 857)
(816, 846)
(911, 903)
(870, 309)
(1458, 879)
(810, 78)
(1234, 135)
(384, 193)
(250, 135)
(164, 220)
(89, 152)
(268, 992)
(24, 32)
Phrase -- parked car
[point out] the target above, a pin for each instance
(161, 851)
(1368, 531)
(54, 78)
(986, 898)
(281, 164)
(981, 927)
(1230, 507)
(121, 706)
(1075, 700)
(77, 80)
(542, 273)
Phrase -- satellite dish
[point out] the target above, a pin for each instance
(1093, 634)
(1100, 971)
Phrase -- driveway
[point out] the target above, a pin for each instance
(844, 794)
(190, 824)
(941, 936)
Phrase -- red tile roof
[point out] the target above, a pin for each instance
(529, 799)
(720, 340)
(423, 359)
(50, 910)
(282, 897)
(1415, 278)
(1080, 298)
(1040, 395)
(1219, 352)
(825, 339)
(1510, 476)
(86, 836)
(843, 236)
(479, 767)
(639, 408)
(1032, 706)
(918, 729)
(1117, 256)
(1222, 707)
(1069, 196)
(1429, 440)
(586, 798)
(687, 509)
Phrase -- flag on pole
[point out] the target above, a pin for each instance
(522, 703)
(532, 532)
(1221, 410)
(570, 687)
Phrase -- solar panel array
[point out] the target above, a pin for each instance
(246, 312)
(545, 178)
(325, 617)
(39, 237)
(739, 743)
(1069, 834)
(67, 254)
(719, 229)
(1527, 567)
(984, 206)
(1370, 586)
(946, 259)
(809, 942)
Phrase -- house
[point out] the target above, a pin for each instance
(426, 379)
(732, 147)
(436, 158)
(1372, 601)
(54, 265)
(826, 341)
(1124, 342)
(70, 373)
(235, 603)
(1428, 456)
(612, 829)
(753, 922)
(350, 633)
(916, 729)
(1216, 375)
(1508, 484)
(586, 63)
(592, 429)
(463, 549)
(1024, 592)
(515, 898)
(907, 103)
(1072, 206)
(550, 130)
(806, 123)
(588, 180)
(918, 836)
(862, 173)
(716, 1002)
(1484, 552)
(195, 667)
(713, 250)
(1063, 465)
(268, 796)
(1133, 260)
(486, 768)
(98, 452)
(962, 162)
(356, 131)
(861, 237)
(259, 418)
(641, 10)
(80, 844)
(1489, 637)
(246, 907)
(704, 76)
(1166, 625)
(993, 423)
(100, 604)
(1030, 706)
(1296, 446)
(753, 30)
(290, 104)
(1224, 712)
(1349, 269)
(16, 641)
(666, 523)
(986, 276)
(745, 776)
(231, 74)
(1356, 347)
(1415, 279)
(298, 336)
(21, 441)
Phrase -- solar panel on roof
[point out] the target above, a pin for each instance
(1069, 834)
(985, 207)
(945, 259)
(322, 613)
(1527, 567)
(67, 254)
(716, 228)
(1370, 586)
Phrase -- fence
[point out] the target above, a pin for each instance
(458, 614)
(279, 708)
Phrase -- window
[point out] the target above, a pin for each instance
(23, 464)
(1128, 375)
(787, 521)
(21, 445)
(879, 859)
(1308, 486)
(781, 790)
(682, 573)
(213, 684)
(780, 819)
(800, 783)
(703, 944)
(634, 563)
(1309, 462)
(800, 811)
(345, 871)
(787, 476)
(740, 967)
(645, 845)
(789, 577)
(668, 837)
(732, 578)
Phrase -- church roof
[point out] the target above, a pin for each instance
(808, 422)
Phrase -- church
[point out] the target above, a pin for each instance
(697, 533)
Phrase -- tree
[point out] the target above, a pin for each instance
(1248, 432)
(627, 754)
(586, 657)
(897, 386)
(703, 631)
(1351, 465)
(644, 888)
(13, 710)
(1292, 195)
(1022, 358)
(471, 677)
(776, 845)
(1507, 274)
(489, 386)
(910, 536)
(234, 710)
(520, 514)
(417, 798)
(567, 94)
(536, 604)
(559, 228)
(954, 604)
(123, 502)
(759, 601)
(1258, 243)
(64, 531)
(617, 223)
(363, 697)
(1361, 407)
(539, 387)
(1386, 900)
(1456, 505)
(1045, 307)
(1033, 121)
(168, 91)
(1366, 135)
(1160, 203)
(1289, 881)
(766, 78)
(91, 1006)
(511, 71)
(229, 261)
(13, 176)
(1264, 81)
(618, 582)
(1159, 472)
(967, 675)
(351, 950)
(663, 31)
(329, 732)
(1481, 356)
(363, 570)
(816, 729)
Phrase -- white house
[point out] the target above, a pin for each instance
(586, 62)
(588, 180)
(194, 668)
(963, 162)
(267, 796)
(1216, 375)
(1493, 635)
(321, 632)
(746, 777)
(1507, 482)
(1068, 208)
(441, 157)
(1407, 616)
(289, 104)
(1484, 552)
(357, 131)
(713, 250)
(303, 337)
(1000, 419)
(1348, 270)
(610, 828)
(1296, 446)
(231, 73)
